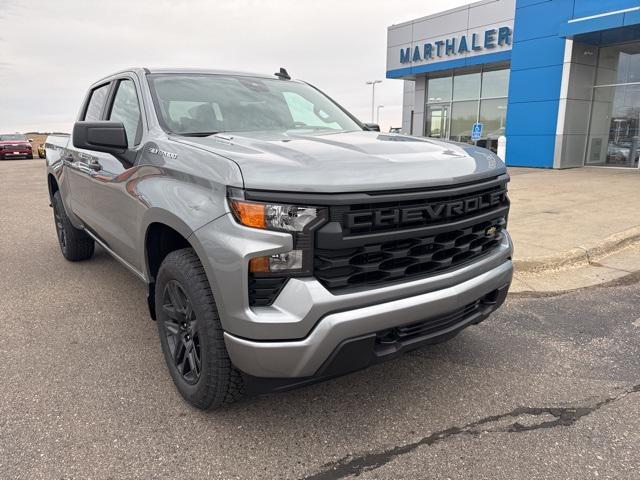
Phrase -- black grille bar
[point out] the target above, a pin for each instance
(264, 288)
(360, 198)
(396, 260)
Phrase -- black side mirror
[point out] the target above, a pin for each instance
(372, 127)
(109, 137)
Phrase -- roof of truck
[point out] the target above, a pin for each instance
(209, 71)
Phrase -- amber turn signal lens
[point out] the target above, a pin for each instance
(249, 214)
(259, 265)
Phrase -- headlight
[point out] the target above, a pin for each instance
(297, 220)
(270, 216)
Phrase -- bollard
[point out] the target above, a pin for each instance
(502, 147)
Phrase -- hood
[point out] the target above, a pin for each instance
(14, 142)
(349, 161)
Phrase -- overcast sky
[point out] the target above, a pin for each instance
(51, 51)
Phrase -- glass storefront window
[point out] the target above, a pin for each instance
(495, 83)
(493, 116)
(618, 64)
(466, 87)
(614, 133)
(439, 90)
(614, 127)
(453, 104)
(463, 116)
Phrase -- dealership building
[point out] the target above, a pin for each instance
(560, 79)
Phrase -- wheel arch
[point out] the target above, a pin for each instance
(164, 233)
(52, 184)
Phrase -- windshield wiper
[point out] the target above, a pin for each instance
(198, 134)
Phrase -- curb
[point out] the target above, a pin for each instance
(579, 256)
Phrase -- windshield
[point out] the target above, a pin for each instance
(12, 136)
(206, 104)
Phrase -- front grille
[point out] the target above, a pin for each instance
(385, 262)
(263, 289)
(13, 147)
(365, 240)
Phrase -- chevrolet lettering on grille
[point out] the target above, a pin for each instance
(397, 216)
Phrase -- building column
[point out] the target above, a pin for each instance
(574, 109)
(418, 106)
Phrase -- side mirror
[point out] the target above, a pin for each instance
(372, 127)
(109, 137)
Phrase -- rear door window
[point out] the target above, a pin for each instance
(126, 109)
(96, 103)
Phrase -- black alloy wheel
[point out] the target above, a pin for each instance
(191, 335)
(181, 330)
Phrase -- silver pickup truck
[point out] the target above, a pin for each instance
(281, 240)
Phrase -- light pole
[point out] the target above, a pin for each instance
(378, 113)
(373, 94)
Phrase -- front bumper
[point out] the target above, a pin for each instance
(306, 357)
(296, 335)
(17, 153)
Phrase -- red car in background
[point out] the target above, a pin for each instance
(14, 145)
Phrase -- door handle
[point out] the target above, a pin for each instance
(93, 164)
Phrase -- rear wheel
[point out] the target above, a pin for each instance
(75, 244)
(191, 335)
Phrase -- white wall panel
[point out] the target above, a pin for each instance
(489, 12)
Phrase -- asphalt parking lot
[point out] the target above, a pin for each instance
(549, 387)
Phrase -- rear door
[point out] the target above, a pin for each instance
(78, 161)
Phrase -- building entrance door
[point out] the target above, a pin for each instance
(437, 124)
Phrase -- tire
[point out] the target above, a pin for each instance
(75, 244)
(191, 335)
(30, 157)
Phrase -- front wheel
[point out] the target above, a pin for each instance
(75, 244)
(191, 335)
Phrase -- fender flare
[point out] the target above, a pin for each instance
(164, 217)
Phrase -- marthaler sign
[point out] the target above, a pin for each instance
(492, 38)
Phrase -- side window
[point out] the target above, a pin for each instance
(126, 109)
(96, 103)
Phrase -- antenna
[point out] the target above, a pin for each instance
(282, 74)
